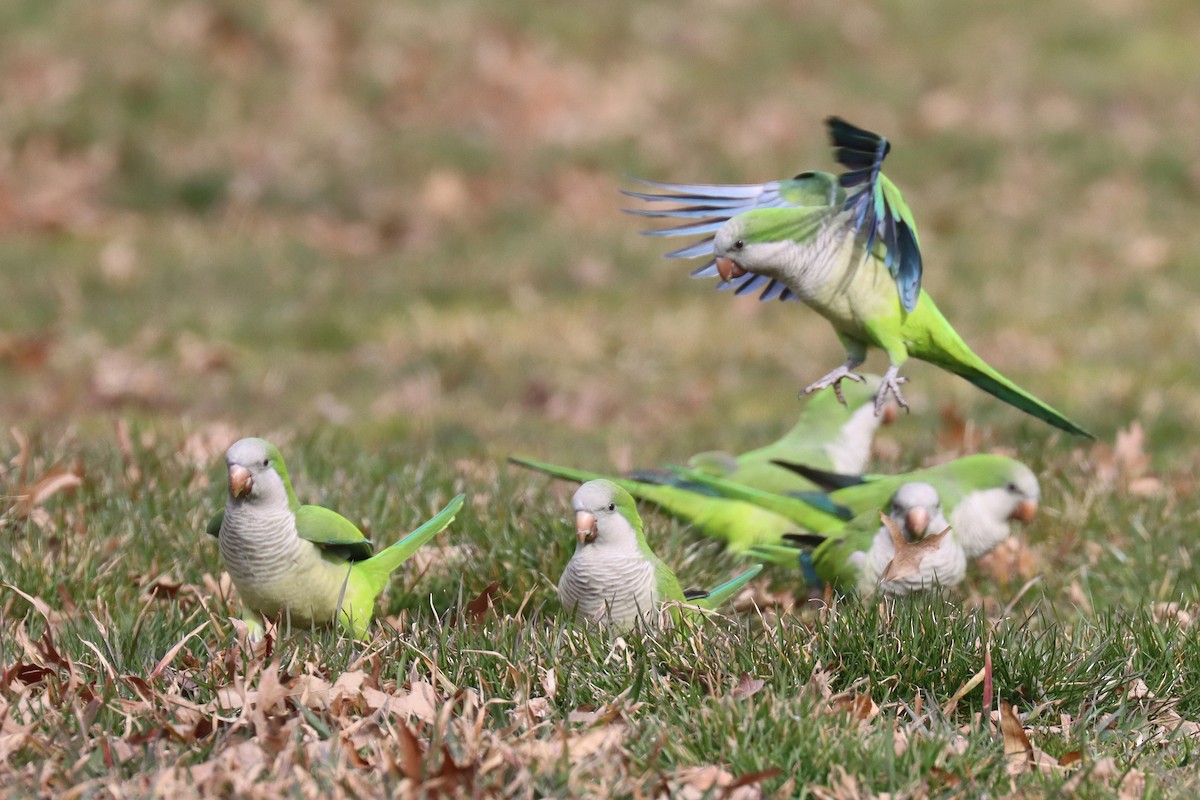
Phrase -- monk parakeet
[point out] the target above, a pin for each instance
(827, 435)
(845, 245)
(614, 577)
(917, 550)
(981, 494)
(738, 524)
(306, 563)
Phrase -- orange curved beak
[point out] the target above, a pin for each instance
(917, 521)
(585, 527)
(240, 481)
(729, 269)
(1025, 512)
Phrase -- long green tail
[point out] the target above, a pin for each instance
(945, 348)
(726, 590)
(380, 566)
(738, 524)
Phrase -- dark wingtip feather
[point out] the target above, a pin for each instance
(804, 539)
(824, 478)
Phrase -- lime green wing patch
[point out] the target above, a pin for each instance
(214, 524)
(330, 530)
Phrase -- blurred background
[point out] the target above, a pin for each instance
(401, 220)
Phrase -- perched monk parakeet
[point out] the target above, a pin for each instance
(307, 564)
(916, 551)
(981, 495)
(845, 245)
(738, 524)
(826, 434)
(614, 578)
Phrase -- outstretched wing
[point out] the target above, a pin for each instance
(876, 205)
(705, 207)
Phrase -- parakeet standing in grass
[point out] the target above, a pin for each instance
(917, 551)
(614, 577)
(827, 435)
(847, 247)
(981, 495)
(307, 564)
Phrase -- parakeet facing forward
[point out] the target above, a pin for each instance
(614, 578)
(916, 551)
(307, 564)
(847, 247)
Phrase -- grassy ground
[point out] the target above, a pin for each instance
(386, 236)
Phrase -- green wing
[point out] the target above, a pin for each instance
(668, 583)
(330, 530)
(214, 524)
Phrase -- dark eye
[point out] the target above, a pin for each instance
(266, 462)
(612, 506)
(739, 244)
(1012, 487)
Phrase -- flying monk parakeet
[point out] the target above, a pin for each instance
(614, 578)
(306, 563)
(827, 436)
(914, 549)
(845, 245)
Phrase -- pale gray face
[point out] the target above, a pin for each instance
(736, 253)
(600, 508)
(1017, 499)
(252, 474)
(914, 506)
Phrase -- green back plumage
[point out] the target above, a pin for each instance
(738, 524)
(953, 480)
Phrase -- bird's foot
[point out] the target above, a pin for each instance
(834, 379)
(890, 384)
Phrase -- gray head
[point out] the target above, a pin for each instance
(914, 506)
(257, 474)
(605, 515)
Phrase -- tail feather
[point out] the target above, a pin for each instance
(931, 338)
(720, 594)
(997, 385)
(380, 566)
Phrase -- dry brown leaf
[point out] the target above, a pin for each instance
(747, 687)
(1017, 748)
(694, 783)
(1011, 560)
(908, 555)
(841, 786)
